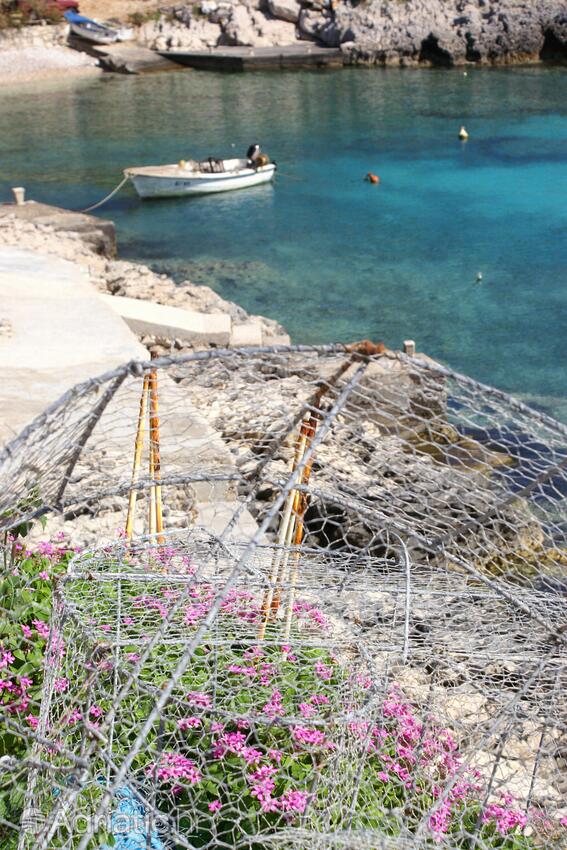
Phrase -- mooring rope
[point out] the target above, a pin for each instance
(108, 197)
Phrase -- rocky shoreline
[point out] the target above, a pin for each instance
(414, 33)
(375, 32)
(121, 278)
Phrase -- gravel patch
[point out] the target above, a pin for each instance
(43, 62)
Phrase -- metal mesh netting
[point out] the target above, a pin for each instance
(335, 614)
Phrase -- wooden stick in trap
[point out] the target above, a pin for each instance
(285, 537)
(138, 446)
(156, 515)
(291, 528)
(302, 505)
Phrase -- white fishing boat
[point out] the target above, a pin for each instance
(202, 178)
(91, 31)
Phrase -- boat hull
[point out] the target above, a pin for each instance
(184, 183)
(93, 35)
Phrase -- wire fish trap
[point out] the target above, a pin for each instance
(222, 733)
(172, 694)
(381, 656)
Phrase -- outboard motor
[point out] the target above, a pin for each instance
(253, 153)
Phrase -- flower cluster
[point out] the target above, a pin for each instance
(174, 766)
(257, 730)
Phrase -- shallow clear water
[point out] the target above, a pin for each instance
(330, 256)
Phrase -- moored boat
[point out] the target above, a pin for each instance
(90, 30)
(201, 178)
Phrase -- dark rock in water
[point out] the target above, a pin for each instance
(554, 49)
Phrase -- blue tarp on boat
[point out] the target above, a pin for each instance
(74, 18)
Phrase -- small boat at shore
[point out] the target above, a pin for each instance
(202, 178)
(93, 31)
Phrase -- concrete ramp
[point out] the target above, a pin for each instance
(57, 332)
(123, 58)
(145, 317)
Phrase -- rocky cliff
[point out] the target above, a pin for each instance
(384, 32)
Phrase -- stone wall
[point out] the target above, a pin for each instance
(20, 38)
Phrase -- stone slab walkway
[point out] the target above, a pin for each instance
(57, 332)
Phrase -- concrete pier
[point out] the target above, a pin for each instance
(258, 58)
(58, 331)
(124, 58)
(98, 233)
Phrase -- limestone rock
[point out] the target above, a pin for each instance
(428, 32)
(454, 33)
(321, 26)
(274, 33)
(199, 33)
(285, 10)
(240, 29)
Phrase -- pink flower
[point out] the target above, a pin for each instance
(132, 657)
(26, 631)
(189, 723)
(439, 819)
(266, 673)
(263, 773)
(234, 742)
(175, 766)
(246, 671)
(307, 710)
(215, 806)
(274, 707)
(74, 717)
(251, 755)
(95, 711)
(33, 721)
(293, 801)
(262, 787)
(309, 612)
(44, 575)
(41, 628)
(323, 671)
(506, 819)
(383, 776)
(319, 699)
(6, 658)
(199, 699)
(303, 735)
(275, 755)
(25, 683)
(288, 654)
(195, 613)
(46, 548)
(254, 652)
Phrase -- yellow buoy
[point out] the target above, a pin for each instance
(463, 135)
(182, 163)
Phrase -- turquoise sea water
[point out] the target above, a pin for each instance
(330, 256)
